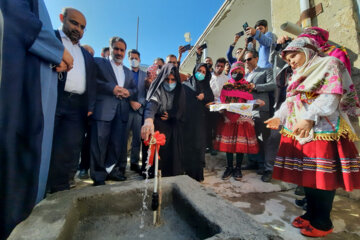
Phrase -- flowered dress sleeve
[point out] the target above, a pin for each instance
(281, 113)
(324, 105)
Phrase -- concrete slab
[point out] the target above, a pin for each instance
(67, 214)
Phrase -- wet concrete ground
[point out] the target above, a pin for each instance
(271, 204)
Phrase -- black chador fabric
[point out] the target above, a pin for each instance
(21, 122)
(195, 128)
(160, 101)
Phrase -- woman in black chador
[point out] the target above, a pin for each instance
(198, 94)
(164, 112)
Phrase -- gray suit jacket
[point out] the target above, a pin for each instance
(106, 103)
(141, 96)
(264, 85)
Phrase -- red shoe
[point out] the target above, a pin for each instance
(310, 231)
(300, 222)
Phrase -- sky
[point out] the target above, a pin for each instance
(163, 23)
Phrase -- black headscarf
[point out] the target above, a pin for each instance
(195, 84)
(201, 86)
(158, 94)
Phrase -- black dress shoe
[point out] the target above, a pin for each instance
(227, 174)
(83, 174)
(98, 183)
(267, 176)
(237, 175)
(116, 175)
(250, 167)
(134, 167)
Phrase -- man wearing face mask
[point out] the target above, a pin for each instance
(76, 99)
(136, 110)
(116, 88)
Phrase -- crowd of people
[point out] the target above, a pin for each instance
(78, 113)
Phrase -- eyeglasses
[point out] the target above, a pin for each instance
(172, 62)
(248, 59)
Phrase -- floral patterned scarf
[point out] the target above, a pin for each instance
(318, 75)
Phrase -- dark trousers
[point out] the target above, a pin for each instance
(85, 151)
(212, 119)
(271, 149)
(108, 143)
(262, 134)
(134, 125)
(319, 205)
(69, 130)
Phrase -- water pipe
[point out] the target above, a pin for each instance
(305, 5)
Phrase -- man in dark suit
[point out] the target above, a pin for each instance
(263, 85)
(76, 99)
(136, 111)
(115, 88)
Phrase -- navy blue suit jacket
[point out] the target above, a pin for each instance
(90, 71)
(106, 102)
(141, 94)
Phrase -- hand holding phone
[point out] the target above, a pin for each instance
(186, 47)
(203, 46)
(240, 34)
(245, 26)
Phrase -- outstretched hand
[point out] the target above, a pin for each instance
(260, 102)
(147, 129)
(273, 123)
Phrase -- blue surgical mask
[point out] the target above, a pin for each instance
(169, 86)
(199, 76)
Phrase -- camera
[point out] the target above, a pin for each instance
(203, 46)
(280, 47)
(187, 47)
(249, 39)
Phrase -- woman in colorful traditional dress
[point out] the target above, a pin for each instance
(316, 149)
(236, 133)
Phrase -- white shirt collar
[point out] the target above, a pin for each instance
(63, 35)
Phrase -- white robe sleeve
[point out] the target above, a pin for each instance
(324, 105)
(281, 113)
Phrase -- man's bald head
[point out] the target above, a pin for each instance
(74, 23)
(65, 11)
